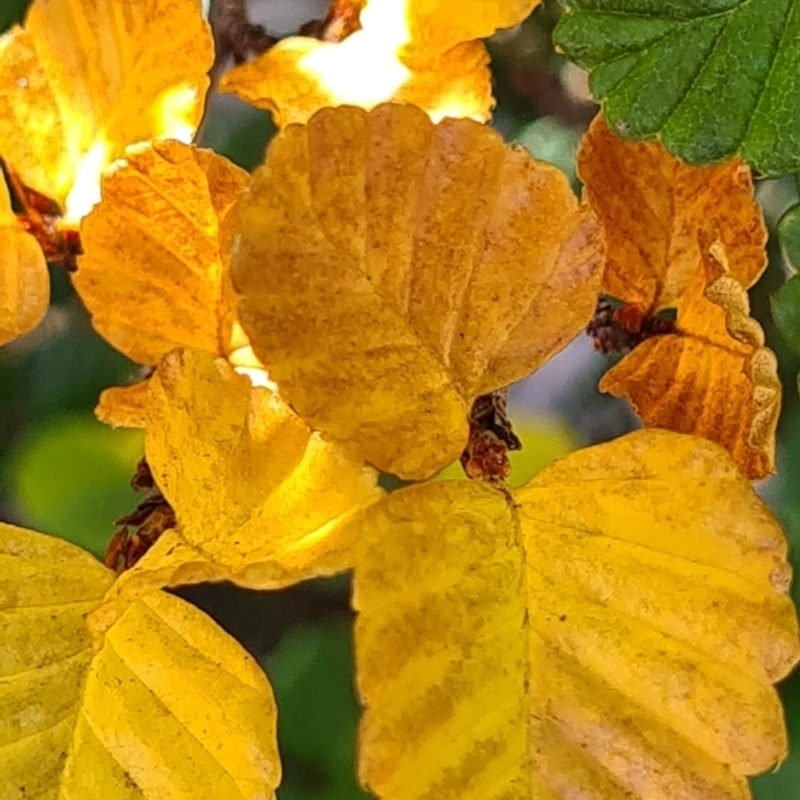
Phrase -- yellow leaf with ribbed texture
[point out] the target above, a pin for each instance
(165, 704)
(422, 52)
(155, 271)
(425, 265)
(174, 708)
(83, 79)
(611, 630)
(47, 587)
(260, 500)
(24, 282)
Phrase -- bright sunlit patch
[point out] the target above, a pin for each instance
(244, 360)
(176, 112)
(457, 108)
(365, 68)
(85, 191)
(257, 377)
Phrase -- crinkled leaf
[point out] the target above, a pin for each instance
(424, 265)
(170, 706)
(611, 630)
(260, 500)
(421, 52)
(173, 707)
(154, 274)
(652, 208)
(24, 282)
(47, 587)
(713, 377)
(90, 78)
(709, 78)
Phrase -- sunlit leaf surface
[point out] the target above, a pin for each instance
(91, 77)
(611, 630)
(260, 500)
(653, 206)
(386, 288)
(154, 274)
(713, 377)
(24, 282)
(408, 51)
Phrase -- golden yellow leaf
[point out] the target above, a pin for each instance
(47, 587)
(713, 377)
(612, 630)
(86, 78)
(154, 274)
(170, 705)
(123, 406)
(386, 288)
(173, 707)
(24, 282)
(260, 500)
(653, 207)
(437, 25)
(421, 52)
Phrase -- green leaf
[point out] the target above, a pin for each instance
(711, 78)
(786, 312)
(789, 230)
(312, 677)
(71, 477)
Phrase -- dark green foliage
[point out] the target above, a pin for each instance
(710, 78)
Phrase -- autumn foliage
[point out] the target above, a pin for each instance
(611, 629)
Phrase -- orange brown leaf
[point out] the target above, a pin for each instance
(713, 377)
(92, 77)
(653, 207)
(387, 288)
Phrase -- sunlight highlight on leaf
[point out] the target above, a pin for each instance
(407, 51)
(260, 500)
(611, 630)
(154, 274)
(429, 263)
(91, 78)
(24, 282)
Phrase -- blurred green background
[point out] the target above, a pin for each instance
(63, 473)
